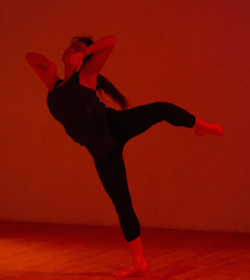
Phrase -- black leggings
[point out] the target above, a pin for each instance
(123, 126)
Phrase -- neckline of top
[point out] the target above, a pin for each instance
(75, 74)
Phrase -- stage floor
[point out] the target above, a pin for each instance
(38, 251)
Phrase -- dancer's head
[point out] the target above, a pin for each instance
(85, 39)
(77, 44)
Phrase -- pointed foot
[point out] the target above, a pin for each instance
(214, 129)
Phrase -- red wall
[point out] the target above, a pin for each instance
(191, 53)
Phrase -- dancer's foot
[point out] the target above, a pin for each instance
(137, 268)
(203, 128)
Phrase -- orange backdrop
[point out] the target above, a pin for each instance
(194, 54)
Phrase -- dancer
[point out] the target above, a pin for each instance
(104, 131)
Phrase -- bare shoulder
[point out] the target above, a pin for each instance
(87, 79)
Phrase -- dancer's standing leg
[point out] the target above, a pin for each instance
(113, 176)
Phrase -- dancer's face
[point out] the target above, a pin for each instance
(74, 48)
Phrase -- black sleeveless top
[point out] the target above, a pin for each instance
(79, 110)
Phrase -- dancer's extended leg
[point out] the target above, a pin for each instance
(126, 124)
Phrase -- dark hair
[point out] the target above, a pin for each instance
(102, 82)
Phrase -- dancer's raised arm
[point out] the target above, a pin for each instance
(44, 68)
(100, 51)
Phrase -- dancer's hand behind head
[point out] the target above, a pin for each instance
(76, 60)
(74, 55)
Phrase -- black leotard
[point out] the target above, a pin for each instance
(79, 110)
